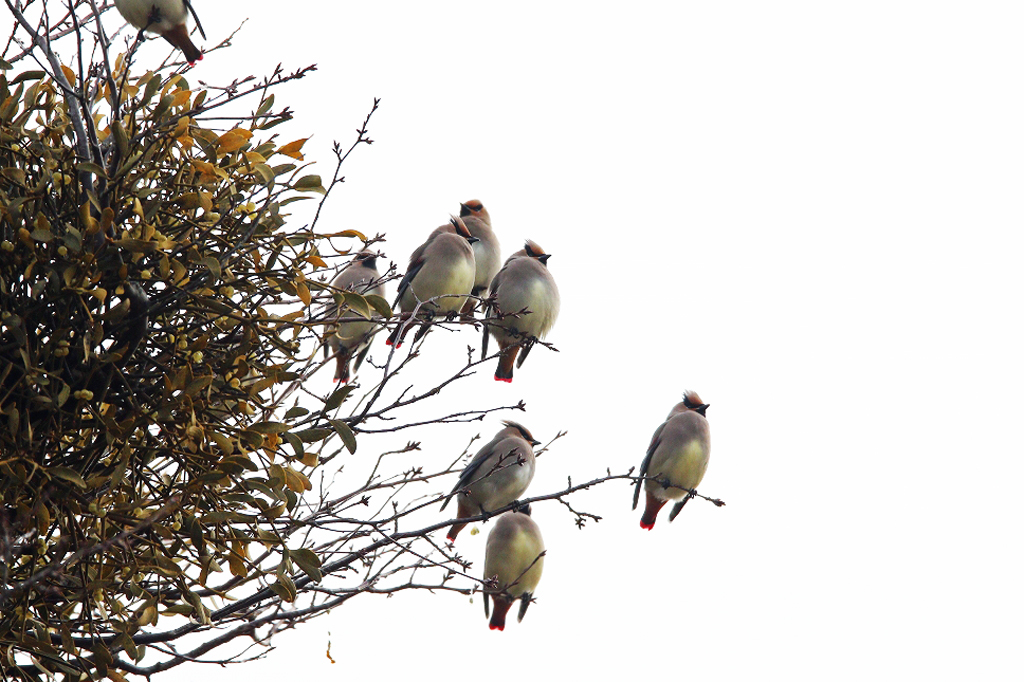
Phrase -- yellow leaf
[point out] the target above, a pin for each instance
(292, 149)
(232, 141)
(181, 97)
(68, 73)
(303, 292)
(316, 260)
(236, 565)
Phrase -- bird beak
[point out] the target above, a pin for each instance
(472, 240)
(544, 259)
(703, 408)
(464, 210)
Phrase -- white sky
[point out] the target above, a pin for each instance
(808, 212)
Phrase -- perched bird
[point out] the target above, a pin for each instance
(487, 250)
(513, 562)
(352, 336)
(523, 283)
(168, 18)
(677, 458)
(496, 476)
(444, 265)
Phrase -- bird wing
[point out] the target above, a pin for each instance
(199, 24)
(467, 474)
(414, 267)
(488, 307)
(655, 441)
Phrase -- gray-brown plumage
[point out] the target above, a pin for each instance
(524, 283)
(513, 564)
(168, 18)
(351, 336)
(676, 459)
(499, 473)
(443, 266)
(487, 250)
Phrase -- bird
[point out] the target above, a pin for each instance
(513, 563)
(168, 18)
(487, 250)
(444, 265)
(499, 473)
(676, 459)
(523, 283)
(351, 338)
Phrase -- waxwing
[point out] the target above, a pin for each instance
(676, 459)
(487, 250)
(444, 265)
(168, 18)
(524, 283)
(513, 563)
(496, 476)
(351, 337)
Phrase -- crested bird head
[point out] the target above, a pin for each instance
(474, 208)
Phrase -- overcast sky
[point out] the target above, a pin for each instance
(808, 212)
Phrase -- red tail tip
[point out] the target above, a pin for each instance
(647, 526)
(451, 538)
(497, 627)
(507, 381)
(389, 342)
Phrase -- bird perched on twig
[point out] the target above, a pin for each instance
(499, 473)
(676, 459)
(487, 250)
(523, 284)
(352, 335)
(168, 18)
(443, 266)
(513, 563)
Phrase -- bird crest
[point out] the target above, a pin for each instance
(471, 207)
(692, 401)
(523, 431)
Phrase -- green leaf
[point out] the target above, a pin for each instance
(346, 434)
(69, 475)
(197, 385)
(309, 183)
(265, 105)
(213, 265)
(295, 442)
(309, 562)
(313, 435)
(27, 76)
(357, 304)
(270, 427)
(296, 411)
(338, 397)
(284, 588)
(379, 304)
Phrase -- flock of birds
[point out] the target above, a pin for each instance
(458, 265)
(454, 268)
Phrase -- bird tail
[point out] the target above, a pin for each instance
(501, 606)
(505, 364)
(454, 531)
(654, 506)
(178, 36)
